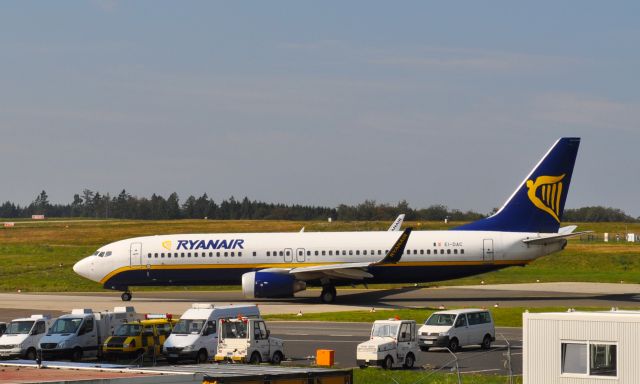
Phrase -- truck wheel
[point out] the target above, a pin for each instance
(486, 342)
(31, 354)
(201, 357)
(277, 358)
(388, 362)
(255, 358)
(454, 345)
(409, 361)
(76, 355)
(424, 349)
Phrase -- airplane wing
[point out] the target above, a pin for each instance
(397, 223)
(563, 234)
(355, 270)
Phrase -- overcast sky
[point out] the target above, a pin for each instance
(318, 102)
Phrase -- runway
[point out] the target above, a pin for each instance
(511, 295)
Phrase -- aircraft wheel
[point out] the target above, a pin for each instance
(126, 296)
(328, 294)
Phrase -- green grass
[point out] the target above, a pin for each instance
(38, 256)
(375, 376)
(502, 317)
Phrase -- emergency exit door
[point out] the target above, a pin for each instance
(487, 250)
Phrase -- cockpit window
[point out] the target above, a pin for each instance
(101, 254)
(96, 253)
(108, 253)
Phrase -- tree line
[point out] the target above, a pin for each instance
(93, 204)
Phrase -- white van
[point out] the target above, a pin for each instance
(457, 328)
(81, 333)
(22, 337)
(195, 337)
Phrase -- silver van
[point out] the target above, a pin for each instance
(457, 328)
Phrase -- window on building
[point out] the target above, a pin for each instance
(574, 358)
(603, 360)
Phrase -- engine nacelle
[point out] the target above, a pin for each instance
(268, 285)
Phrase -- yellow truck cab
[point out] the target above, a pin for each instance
(139, 337)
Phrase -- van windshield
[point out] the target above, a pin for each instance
(129, 330)
(65, 326)
(188, 326)
(444, 319)
(384, 330)
(19, 327)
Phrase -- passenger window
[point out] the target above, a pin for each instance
(182, 254)
(344, 253)
(188, 254)
(217, 254)
(287, 253)
(316, 253)
(461, 321)
(149, 255)
(308, 253)
(268, 253)
(422, 251)
(428, 251)
(358, 253)
(254, 254)
(162, 255)
(448, 251)
(280, 253)
(405, 332)
(239, 254)
(226, 254)
(455, 251)
(442, 251)
(40, 327)
(462, 251)
(350, 253)
(155, 255)
(330, 253)
(323, 253)
(88, 326)
(364, 252)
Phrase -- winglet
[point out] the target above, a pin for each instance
(394, 255)
(395, 226)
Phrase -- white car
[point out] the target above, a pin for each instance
(393, 344)
(457, 328)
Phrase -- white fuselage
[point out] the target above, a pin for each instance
(201, 259)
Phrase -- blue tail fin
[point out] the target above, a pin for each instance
(537, 204)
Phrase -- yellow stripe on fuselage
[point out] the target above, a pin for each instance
(297, 265)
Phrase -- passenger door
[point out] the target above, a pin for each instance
(88, 337)
(461, 329)
(210, 337)
(135, 254)
(404, 341)
(487, 250)
(261, 339)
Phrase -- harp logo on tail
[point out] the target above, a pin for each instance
(546, 193)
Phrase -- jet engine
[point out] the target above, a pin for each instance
(267, 285)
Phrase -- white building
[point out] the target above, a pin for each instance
(581, 347)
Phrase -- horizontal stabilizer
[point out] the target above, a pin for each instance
(553, 238)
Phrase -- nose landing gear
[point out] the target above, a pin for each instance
(126, 295)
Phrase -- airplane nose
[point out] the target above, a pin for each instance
(83, 267)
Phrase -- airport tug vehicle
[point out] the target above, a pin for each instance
(140, 337)
(393, 344)
(246, 340)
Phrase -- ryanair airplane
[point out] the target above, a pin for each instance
(277, 265)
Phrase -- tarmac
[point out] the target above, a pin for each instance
(506, 295)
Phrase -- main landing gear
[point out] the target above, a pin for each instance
(328, 294)
(126, 295)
